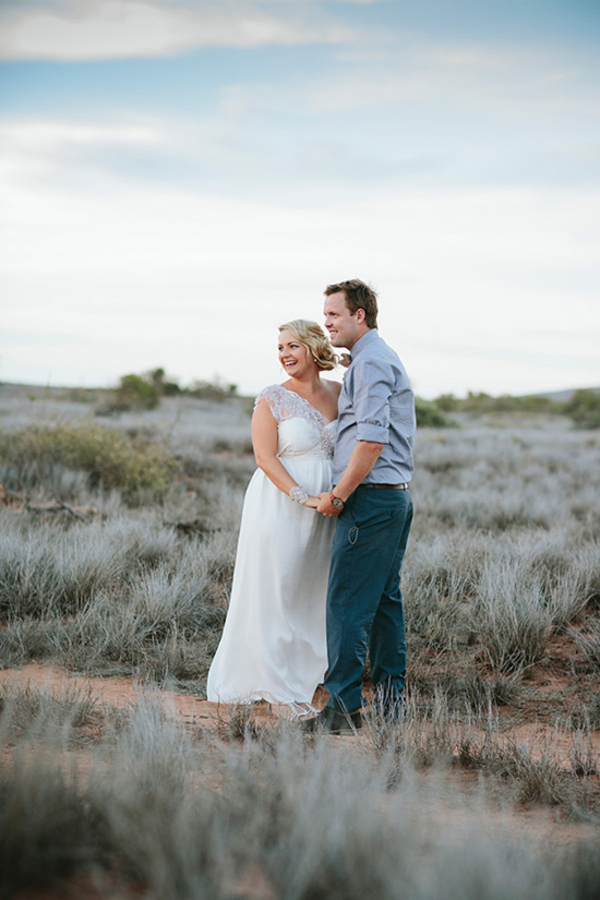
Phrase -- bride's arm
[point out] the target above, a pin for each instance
(264, 443)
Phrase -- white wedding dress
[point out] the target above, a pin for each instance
(273, 645)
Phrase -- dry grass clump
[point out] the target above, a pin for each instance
(28, 709)
(162, 627)
(559, 770)
(125, 595)
(588, 642)
(46, 835)
(158, 620)
(506, 478)
(509, 595)
(510, 618)
(51, 571)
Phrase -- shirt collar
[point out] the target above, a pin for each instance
(363, 342)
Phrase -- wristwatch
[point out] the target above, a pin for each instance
(336, 502)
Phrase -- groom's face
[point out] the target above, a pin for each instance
(342, 325)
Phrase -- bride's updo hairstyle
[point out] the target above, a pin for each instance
(312, 336)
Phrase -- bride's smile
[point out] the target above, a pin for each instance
(293, 356)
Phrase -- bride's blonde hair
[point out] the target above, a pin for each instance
(312, 336)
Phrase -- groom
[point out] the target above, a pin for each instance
(372, 468)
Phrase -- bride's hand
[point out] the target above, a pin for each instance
(312, 502)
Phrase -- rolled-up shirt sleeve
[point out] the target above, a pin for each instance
(376, 405)
(373, 389)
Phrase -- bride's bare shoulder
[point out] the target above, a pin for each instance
(334, 387)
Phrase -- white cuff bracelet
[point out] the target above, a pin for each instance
(298, 494)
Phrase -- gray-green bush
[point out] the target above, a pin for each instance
(31, 455)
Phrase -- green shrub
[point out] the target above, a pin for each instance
(536, 404)
(136, 392)
(484, 404)
(140, 392)
(164, 388)
(584, 408)
(430, 415)
(448, 402)
(212, 390)
(110, 458)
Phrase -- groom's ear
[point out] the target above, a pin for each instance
(360, 315)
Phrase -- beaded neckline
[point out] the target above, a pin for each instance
(286, 404)
(324, 421)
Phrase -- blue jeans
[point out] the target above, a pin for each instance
(364, 601)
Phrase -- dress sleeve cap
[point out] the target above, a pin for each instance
(273, 397)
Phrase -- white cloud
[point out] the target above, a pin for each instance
(34, 149)
(198, 282)
(483, 77)
(45, 135)
(108, 29)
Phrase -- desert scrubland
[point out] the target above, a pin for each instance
(117, 544)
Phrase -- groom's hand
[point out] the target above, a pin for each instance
(325, 506)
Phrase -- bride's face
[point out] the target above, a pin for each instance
(295, 358)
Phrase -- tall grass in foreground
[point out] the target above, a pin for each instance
(182, 815)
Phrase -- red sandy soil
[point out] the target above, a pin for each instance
(253, 887)
(124, 693)
(79, 888)
(121, 693)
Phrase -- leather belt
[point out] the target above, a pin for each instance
(385, 487)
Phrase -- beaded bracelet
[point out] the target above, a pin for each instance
(298, 494)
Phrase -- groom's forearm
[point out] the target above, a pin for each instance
(363, 458)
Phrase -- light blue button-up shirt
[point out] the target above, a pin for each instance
(376, 404)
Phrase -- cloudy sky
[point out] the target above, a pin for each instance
(178, 177)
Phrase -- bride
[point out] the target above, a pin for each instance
(273, 645)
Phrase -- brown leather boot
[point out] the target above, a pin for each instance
(333, 721)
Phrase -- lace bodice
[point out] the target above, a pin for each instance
(287, 406)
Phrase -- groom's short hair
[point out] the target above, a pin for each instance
(358, 296)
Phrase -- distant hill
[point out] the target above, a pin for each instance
(563, 396)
